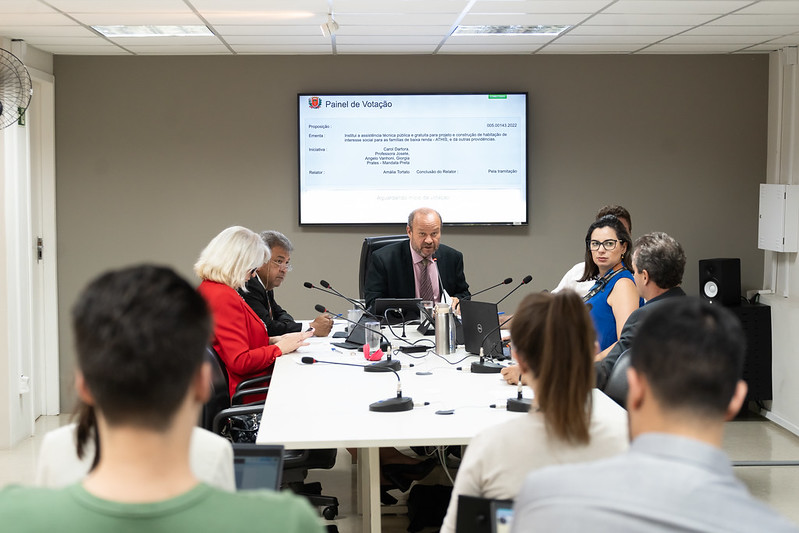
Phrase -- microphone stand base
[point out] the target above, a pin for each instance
(519, 405)
(384, 366)
(486, 367)
(392, 405)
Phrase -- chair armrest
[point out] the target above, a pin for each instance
(247, 383)
(235, 400)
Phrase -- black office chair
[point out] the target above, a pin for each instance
(221, 418)
(617, 386)
(369, 246)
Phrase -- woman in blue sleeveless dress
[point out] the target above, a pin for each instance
(608, 251)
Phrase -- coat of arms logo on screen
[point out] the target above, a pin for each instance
(315, 102)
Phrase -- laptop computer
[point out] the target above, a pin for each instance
(357, 336)
(483, 515)
(257, 466)
(480, 319)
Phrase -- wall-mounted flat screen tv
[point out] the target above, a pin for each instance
(373, 158)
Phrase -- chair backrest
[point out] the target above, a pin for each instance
(220, 393)
(369, 246)
(617, 386)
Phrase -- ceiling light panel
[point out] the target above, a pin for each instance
(539, 19)
(179, 49)
(491, 40)
(515, 30)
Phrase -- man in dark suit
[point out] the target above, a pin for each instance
(424, 269)
(260, 294)
(658, 266)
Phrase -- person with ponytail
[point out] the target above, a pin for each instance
(553, 342)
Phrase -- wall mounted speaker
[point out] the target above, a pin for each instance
(720, 280)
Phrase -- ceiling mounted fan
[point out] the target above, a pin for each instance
(15, 89)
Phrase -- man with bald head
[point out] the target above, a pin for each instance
(423, 268)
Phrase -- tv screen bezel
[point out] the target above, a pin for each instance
(527, 150)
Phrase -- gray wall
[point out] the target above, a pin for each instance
(155, 155)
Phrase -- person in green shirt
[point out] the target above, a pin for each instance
(141, 334)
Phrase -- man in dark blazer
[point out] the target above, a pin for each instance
(658, 266)
(260, 294)
(398, 270)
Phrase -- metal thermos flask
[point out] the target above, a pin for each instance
(445, 329)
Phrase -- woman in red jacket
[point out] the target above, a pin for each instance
(240, 337)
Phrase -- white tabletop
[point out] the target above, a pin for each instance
(327, 406)
(324, 406)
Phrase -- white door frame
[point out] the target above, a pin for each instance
(46, 379)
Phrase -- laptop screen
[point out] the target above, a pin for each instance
(481, 327)
(257, 466)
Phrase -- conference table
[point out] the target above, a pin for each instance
(322, 405)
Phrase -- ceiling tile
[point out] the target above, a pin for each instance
(120, 6)
(712, 7)
(284, 49)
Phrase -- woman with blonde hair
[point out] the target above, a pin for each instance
(240, 336)
(553, 341)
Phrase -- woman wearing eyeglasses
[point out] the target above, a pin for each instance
(240, 337)
(608, 262)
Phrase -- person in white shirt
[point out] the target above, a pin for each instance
(552, 339)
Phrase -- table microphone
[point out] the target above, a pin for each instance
(309, 285)
(483, 366)
(388, 363)
(506, 281)
(527, 279)
(519, 404)
(356, 303)
(391, 405)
